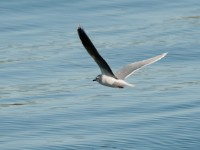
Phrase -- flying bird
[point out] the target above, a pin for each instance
(107, 77)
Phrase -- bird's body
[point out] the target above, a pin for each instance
(108, 78)
(112, 82)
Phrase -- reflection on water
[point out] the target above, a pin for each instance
(8, 105)
(191, 17)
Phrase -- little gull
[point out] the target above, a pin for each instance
(107, 77)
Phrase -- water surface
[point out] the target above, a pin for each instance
(48, 99)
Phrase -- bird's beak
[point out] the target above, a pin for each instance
(94, 79)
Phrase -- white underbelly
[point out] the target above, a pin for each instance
(112, 82)
(107, 80)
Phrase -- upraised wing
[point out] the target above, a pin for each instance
(105, 69)
(129, 69)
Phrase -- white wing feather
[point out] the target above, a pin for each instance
(129, 69)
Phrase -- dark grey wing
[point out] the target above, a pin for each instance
(105, 69)
(129, 69)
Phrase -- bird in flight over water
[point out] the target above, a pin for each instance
(107, 77)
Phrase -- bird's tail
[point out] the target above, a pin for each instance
(129, 85)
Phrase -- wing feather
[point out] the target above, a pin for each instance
(129, 69)
(104, 67)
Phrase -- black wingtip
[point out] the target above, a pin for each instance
(79, 28)
(80, 31)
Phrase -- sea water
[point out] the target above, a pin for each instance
(47, 97)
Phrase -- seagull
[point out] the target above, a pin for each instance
(107, 77)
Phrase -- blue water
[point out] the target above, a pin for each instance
(48, 100)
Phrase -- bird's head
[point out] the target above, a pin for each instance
(98, 78)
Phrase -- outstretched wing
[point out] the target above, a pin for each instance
(129, 69)
(105, 69)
